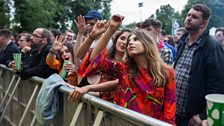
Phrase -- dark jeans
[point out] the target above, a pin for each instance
(182, 120)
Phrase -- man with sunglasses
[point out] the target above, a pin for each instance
(36, 64)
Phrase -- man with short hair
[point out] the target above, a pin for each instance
(36, 66)
(69, 36)
(179, 33)
(219, 35)
(154, 26)
(7, 48)
(199, 68)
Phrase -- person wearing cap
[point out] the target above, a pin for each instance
(91, 18)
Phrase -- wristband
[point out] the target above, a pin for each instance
(52, 52)
(91, 37)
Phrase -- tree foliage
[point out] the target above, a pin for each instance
(30, 14)
(166, 14)
(81, 7)
(4, 13)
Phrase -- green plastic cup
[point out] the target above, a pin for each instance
(215, 109)
(64, 73)
(17, 59)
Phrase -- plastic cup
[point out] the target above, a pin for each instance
(17, 59)
(215, 109)
(64, 73)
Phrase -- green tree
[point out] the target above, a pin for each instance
(4, 13)
(74, 8)
(30, 14)
(166, 14)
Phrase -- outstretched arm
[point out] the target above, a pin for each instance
(114, 23)
(106, 86)
(81, 26)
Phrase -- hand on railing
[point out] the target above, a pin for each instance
(78, 93)
(12, 65)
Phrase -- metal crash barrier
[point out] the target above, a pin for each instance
(17, 106)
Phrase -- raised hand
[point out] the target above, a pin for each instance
(116, 20)
(81, 24)
(99, 28)
(58, 43)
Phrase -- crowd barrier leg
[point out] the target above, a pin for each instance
(99, 118)
(33, 121)
(7, 92)
(76, 115)
(9, 100)
(28, 105)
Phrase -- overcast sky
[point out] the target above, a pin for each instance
(132, 13)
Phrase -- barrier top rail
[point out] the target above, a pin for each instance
(127, 114)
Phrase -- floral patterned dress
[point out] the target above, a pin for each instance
(141, 96)
(85, 71)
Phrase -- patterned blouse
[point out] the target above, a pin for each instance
(85, 71)
(141, 96)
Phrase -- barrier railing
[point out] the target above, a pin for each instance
(17, 104)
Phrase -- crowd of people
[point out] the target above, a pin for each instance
(142, 69)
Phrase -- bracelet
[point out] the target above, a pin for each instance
(91, 37)
(52, 52)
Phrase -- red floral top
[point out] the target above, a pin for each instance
(85, 71)
(142, 96)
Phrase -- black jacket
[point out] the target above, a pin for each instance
(206, 74)
(36, 65)
(6, 56)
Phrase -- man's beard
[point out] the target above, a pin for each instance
(193, 28)
(34, 46)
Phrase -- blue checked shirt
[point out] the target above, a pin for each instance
(183, 67)
(166, 55)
